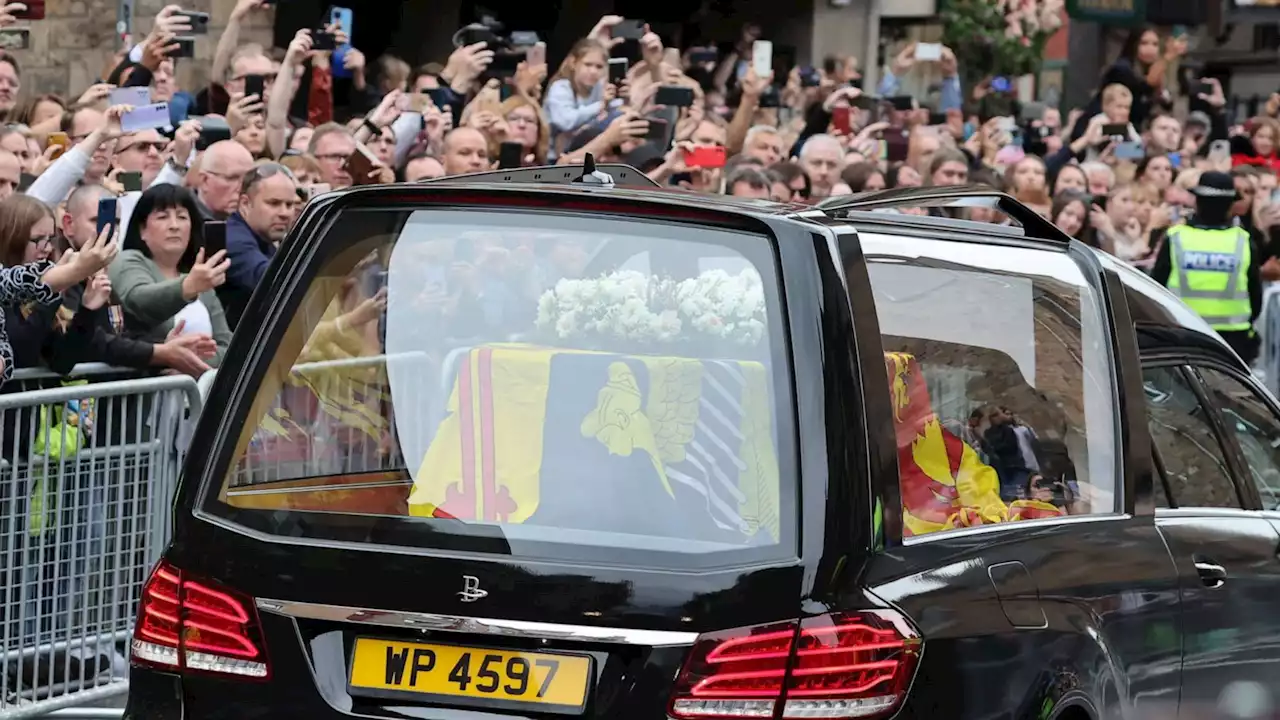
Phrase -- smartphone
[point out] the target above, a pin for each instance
(1204, 88)
(135, 97)
(903, 103)
(537, 55)
(1031, 111)
(130, 181)
(61, 140)
(1115, 130)
(343, 18)
(929, 52)
(15, 39)
(317, 189)
(840, 120)
(864, 102)
(440, 97)
(1100, 201)
(510, 155)
(810, 77)
(628, 30)
(106, 213)
(762, 58)
(618, 70)
(937, 118)
(1220, 150)
(657, 132)
(199, 21)
(147, 117)
(215, 237)
(703, 56)
(322, 39)
(1001, 84)
(186, 47)
(212, 129)
(255, 85)
(674, 96)
(34, 11)
(360, 164)
(709, 157)
(1134, 150)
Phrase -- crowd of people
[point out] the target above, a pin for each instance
(1116, 174)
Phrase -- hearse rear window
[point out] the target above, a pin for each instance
(532, 384)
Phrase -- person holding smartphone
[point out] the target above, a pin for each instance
(265, 211)
(951, 96)
(578, 93)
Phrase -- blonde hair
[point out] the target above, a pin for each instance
(393, 71)
(1115, 91)
(1146, 192)
(513, 103)
(579, 51)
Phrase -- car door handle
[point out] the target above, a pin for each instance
(1212, 575)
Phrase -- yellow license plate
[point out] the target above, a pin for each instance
(551, 682)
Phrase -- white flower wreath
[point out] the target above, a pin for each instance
(636, 307)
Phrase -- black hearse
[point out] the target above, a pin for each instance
(513, 445)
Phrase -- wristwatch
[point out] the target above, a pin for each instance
(176, 166)
(373, 129)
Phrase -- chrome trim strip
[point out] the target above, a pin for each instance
(1020, 524)
(479, 626)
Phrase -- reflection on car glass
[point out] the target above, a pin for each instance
(997, 413)
(566, 387)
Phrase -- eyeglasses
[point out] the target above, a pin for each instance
(43, 240)
(262, 172)
(144, 146)
(331, 157)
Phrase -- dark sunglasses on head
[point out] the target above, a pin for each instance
(262, 172)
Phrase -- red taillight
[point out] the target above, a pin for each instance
(844, 665)
(187, 624)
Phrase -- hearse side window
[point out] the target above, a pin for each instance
(1193, 461)
(1256, 430)
(573, 389)
(998, 366)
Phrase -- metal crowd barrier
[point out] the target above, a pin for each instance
(87, 475)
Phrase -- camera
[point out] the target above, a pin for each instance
(509, 48)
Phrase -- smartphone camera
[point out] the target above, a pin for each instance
(323, 40)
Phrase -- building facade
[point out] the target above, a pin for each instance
(77, 43)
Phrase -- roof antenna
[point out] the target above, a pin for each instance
(591, 176)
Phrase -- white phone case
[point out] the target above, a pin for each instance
(762, 58)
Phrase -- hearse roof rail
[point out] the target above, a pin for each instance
(588, 173)
(956, 196)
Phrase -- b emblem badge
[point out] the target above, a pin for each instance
(471, 590)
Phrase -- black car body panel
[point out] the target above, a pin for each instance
(1083, 617)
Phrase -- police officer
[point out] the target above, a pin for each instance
(1213, 265)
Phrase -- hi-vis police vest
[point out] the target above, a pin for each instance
(1210, 274)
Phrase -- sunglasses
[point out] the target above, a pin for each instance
(262, 172)
(145, 146)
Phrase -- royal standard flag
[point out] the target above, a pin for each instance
(661, 446)
(942, 481)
